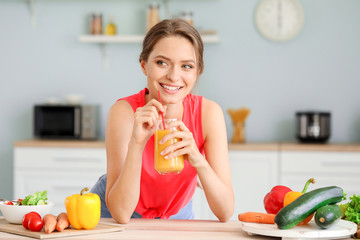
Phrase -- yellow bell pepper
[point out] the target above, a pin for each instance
(83, 210)
(291, 196)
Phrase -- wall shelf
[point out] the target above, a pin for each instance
(104, 40)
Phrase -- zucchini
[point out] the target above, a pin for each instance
(328, 215)
(302, 207)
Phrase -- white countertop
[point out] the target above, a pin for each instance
(251, 146)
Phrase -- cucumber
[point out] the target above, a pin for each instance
(327, 216)
(302, 207)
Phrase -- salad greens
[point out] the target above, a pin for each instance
(38, 198)
(351, 209)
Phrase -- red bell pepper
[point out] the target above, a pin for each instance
(274, 200)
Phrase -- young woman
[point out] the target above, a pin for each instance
(172, 60)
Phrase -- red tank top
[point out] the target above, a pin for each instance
(164, 195)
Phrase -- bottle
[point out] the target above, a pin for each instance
(111, 27)
(152, 15)
(96, 24)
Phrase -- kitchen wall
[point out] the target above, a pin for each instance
(319, 69)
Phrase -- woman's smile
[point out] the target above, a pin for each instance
(170, 88)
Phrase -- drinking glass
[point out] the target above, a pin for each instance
(162, 165)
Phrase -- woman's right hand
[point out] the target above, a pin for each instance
(145, 119)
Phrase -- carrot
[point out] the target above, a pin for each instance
(257, 217)
(62, 222)
(49, 223)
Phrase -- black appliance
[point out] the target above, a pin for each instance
(66, 121)
(313, 126)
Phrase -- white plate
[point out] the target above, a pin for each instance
(342, 229)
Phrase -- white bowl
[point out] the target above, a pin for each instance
(14, 214)
(74, 99)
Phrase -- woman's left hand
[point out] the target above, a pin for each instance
(187, 146)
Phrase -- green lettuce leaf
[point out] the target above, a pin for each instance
(38, 198)
(352, 209)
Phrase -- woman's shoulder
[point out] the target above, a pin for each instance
(212, 118)
(127, 105)
(210, 107)
(207, 106)
(121, 108)
(136, 100)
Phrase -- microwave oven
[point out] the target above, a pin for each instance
(66, 121)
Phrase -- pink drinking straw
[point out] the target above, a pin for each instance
(162, 114)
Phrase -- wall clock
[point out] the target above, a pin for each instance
(279, 20)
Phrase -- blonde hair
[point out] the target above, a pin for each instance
(173, 27)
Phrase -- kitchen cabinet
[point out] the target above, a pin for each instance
(254, 173)
(338, 168)
(256, 168)
(62, 171)
(65, 167)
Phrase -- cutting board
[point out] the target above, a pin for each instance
(343, 229)
(70, 232)
(177, 225)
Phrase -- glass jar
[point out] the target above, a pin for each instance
(96, 24)
(166, 165)
(152, 15)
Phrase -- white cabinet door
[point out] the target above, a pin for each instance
(59, 185)
(253, 173)
(60, 171)
(328, 168)
(59, 158)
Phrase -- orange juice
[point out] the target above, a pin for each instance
(162, 165)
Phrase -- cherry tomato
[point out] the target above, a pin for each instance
(35, 224)
(9, 203)
(20, 200)
(27, 217)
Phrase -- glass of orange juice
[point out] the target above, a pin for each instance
(162, 165)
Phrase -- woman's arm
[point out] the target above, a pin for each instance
(214, 171)
(123, 176)
(214, 174)
(126, 136)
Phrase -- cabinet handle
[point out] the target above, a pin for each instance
(329, 163)
(77, 159)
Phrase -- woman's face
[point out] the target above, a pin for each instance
(171, 68)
